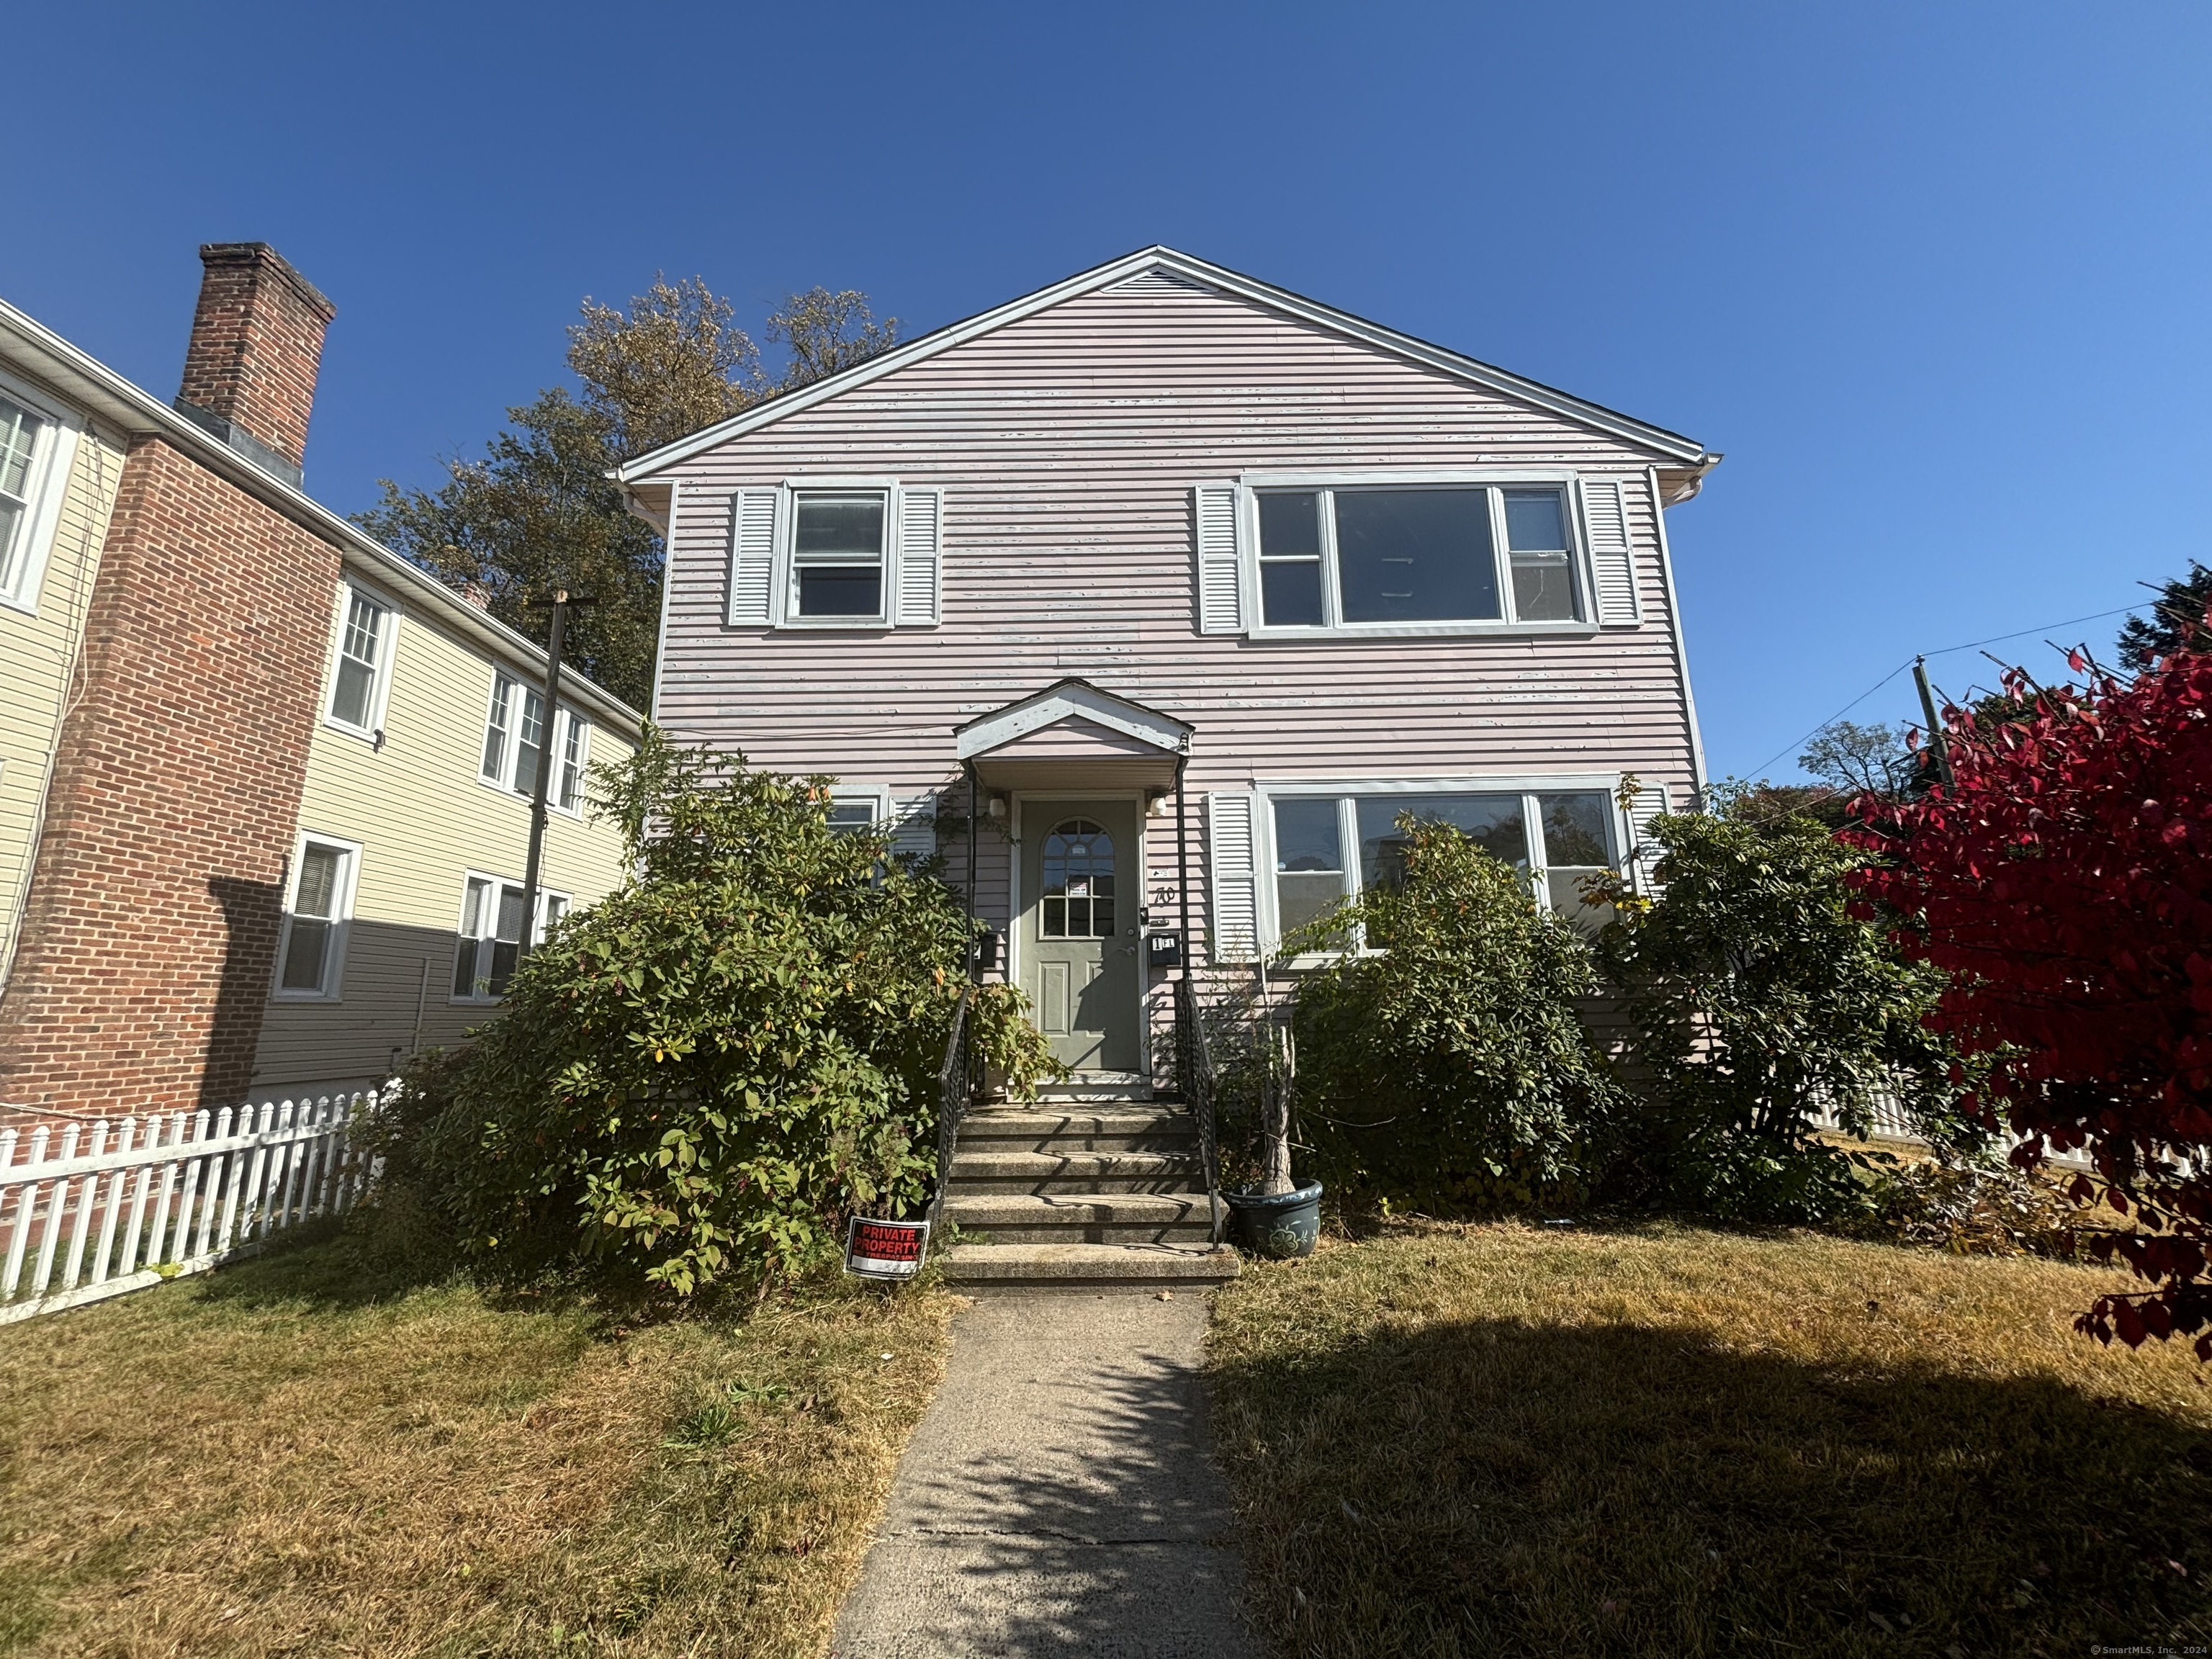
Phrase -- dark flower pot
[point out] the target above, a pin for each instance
(1283, 1225)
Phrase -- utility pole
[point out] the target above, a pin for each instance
(547, 760)
(1934, 727)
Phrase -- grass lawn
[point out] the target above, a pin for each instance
(1660, 1441)
(289, 1457)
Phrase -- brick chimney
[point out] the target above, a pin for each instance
(257, 342)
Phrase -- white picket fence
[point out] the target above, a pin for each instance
(101, 1210)
(1891, 1123)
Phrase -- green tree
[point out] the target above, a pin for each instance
(699, 1078)
(2177, 621)
(1759, 997)
(537, 511)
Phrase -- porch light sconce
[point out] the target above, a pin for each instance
(1156, 803)
(995, 809)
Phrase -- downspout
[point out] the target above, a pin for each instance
(1675, 626)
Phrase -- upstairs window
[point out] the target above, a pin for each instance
(364, 644)
(837, 555)
(515, 745)
(36, 451)
(1404, 558)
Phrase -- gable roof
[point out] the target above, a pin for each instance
(1683, 452)
(1070, 699)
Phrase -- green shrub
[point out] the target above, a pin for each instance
(1757, 996)
(701, 1076)
(1449, 1068)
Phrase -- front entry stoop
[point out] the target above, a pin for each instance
(1100, 1192)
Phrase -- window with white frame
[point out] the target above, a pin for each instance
(311, 953)
(364, 653)
(488, 945)
(1396, 557)
(515, 742)
(30, 443)
(838, 542)
(1331, 846)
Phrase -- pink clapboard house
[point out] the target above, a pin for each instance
(1186, 587)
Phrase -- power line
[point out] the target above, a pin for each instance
(1971, 644)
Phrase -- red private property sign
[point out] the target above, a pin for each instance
(885, 1249)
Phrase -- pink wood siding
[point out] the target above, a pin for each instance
(1067, 445)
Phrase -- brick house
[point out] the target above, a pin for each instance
(263, 783)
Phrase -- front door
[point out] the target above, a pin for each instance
(1080, 887)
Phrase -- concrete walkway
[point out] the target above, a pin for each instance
(1058, 1497)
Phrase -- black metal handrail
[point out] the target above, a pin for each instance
(955, 1087)
(1194, 1078)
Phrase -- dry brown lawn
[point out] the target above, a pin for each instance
(1667, 1442)
(288, 1457)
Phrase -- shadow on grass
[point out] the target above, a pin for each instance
(1497, 1488)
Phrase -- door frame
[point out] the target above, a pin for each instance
(1141, 1078)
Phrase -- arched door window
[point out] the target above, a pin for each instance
(1078, 882)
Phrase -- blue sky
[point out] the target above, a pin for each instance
(1935, 278)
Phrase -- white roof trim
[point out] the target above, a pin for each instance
(1058, 702)
(1670, 445)
(122, 404)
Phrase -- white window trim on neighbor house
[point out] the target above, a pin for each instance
(1593, 511)
(46, 485)
(1624, 834)
(763, 583)
(567, 723)
(549, 899)
(332, 983)
(350, 592)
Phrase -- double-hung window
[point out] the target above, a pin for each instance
(1329, 846)
(515, 742)
(489, 943)
(35, 450)
(311, 953)
(364, 651)
(837, 555)
(1404, 558)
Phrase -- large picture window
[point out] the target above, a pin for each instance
(1331, 847)
(1395, 556)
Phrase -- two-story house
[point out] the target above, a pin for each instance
(1193, 586)
(265, 786)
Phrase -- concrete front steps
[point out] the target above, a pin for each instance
(1088, 1194)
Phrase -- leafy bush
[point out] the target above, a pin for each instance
(1757, 998)
(2063, 880)
(1451, 1069)
(701, 1076)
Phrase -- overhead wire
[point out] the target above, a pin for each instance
(1948, 650)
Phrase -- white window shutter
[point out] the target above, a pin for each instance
(1613, 562)
(1219, 567)
(920, 558)
(1644, 853)
(913, 826)
(1234, 900)
(752, 557)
